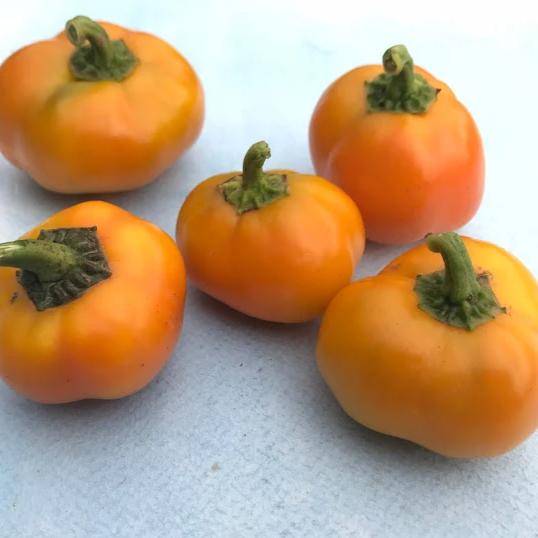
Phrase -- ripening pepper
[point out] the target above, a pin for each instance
(442, 354)
(399, 142)
(94, 308)
(276, 245)
(98, 108)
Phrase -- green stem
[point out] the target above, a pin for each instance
(460, 279)
(457, 295)
(399, 88)
(398, 62)
(57, 267)
(253, 162)
(81, 30)
(47, 260)
(96, 56)
(254, 188)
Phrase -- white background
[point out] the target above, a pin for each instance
(238, 436)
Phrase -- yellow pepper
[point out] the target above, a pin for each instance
(445, 356)
(98, 108)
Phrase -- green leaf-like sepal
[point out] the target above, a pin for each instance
(254, 189)
(91, 267)
(478, 308)
(399, 89)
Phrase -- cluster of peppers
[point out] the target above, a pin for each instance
(440, 348)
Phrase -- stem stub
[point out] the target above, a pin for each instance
(399, 88)
(254, 189)
(96, 57)
(456, 296)
(57, 267)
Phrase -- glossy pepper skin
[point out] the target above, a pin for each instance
(413, 161)
(275, 245)
(111, 340)
(466, 390)
(92, 115)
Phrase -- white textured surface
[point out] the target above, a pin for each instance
(239, 437)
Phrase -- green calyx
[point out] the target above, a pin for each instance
(399, 88)
(96, 57)
(456, 296)
(58, 266)
(254, 188)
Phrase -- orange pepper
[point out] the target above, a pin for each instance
(402, 146)
(96, 308)
(446, 357)
(98, 108)
(275, 245)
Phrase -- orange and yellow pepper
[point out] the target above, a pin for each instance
(275, 245)
(442, 354)
(98, 108)
(399, 142)
(91, 305)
